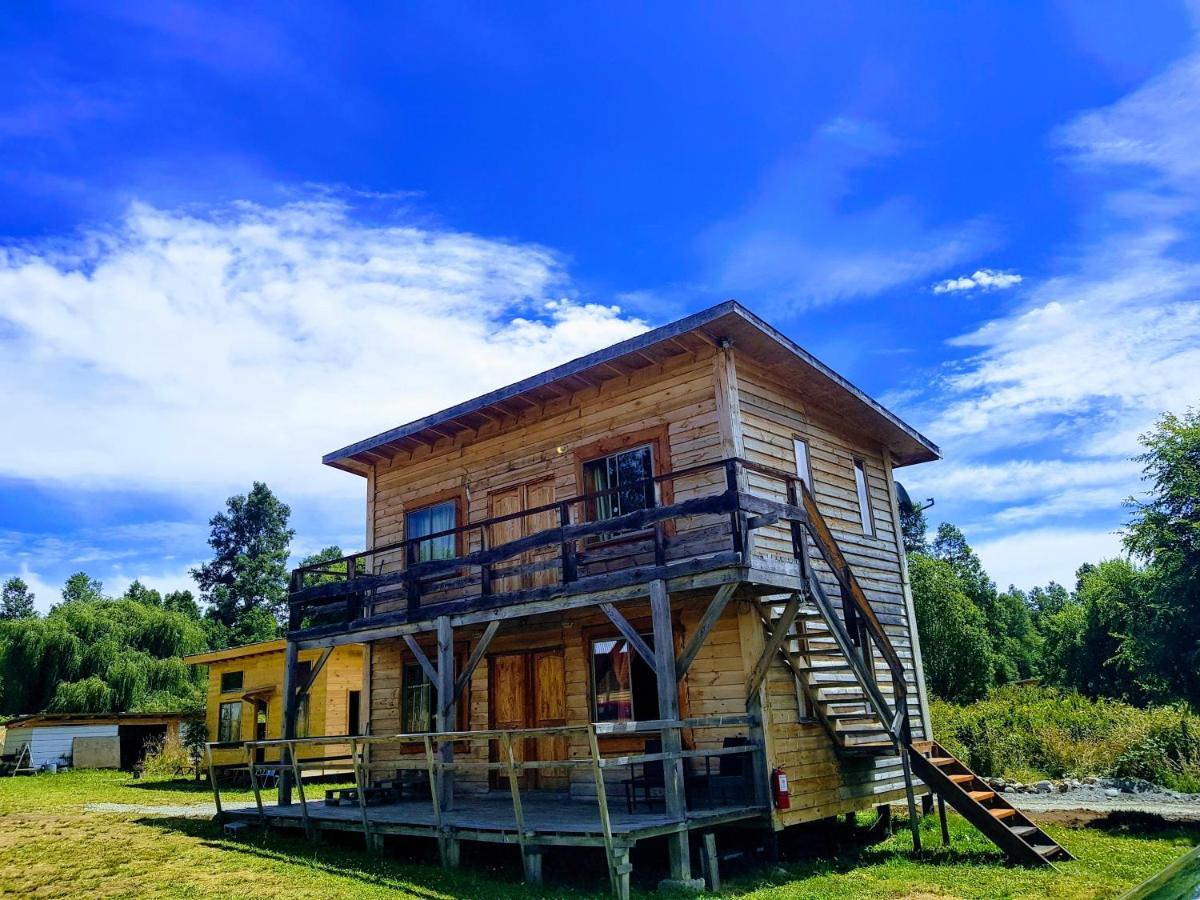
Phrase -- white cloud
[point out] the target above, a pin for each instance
(1031, 557)
(186, 352)
(985, 279)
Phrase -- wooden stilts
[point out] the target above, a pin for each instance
(212, 778)
(672, 739)
(290, 702)
(710, 862)
(435, 792)
(309, 832)
(254, 784)
(942, 817)
(446, 707)
(914, 823)
(610, 850)
(621, 869)
(361, 781)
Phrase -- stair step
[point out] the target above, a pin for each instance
(850, 716)
(819, 669)
(961, 779)
(1002, 813)
(1047, 851)
(1024, 831)
(940, 761)
(981, 796)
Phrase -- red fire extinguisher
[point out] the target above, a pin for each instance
(779, 788)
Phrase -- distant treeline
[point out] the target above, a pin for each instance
(1129, 628)
(95, 653)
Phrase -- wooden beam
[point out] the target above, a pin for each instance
(422, 659)
(672, 739)
(481, 647)
(704, 628)
(630, 634)
(778, 636)
(446, 718)
(316, 670)
(291, 701)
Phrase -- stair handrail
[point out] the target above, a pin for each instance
(816, 526)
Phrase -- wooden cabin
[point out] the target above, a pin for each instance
(633, 596)
(245, 692)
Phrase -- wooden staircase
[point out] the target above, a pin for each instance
(1007, 827)
(855, 684)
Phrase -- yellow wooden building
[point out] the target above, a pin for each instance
(245, 697)
(658, 590)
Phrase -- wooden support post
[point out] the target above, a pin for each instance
(446, 711)
(212, 778)
(254, 784)
(481, 647)
(885, 818)
(621, 869)
(435, 799)
(531, 855)
(914, 823)
(672, 739)
(610, 851)
(291, 702)
(361, 781)
(710, 862)
(514, 787)
(422, 660)
(945, 825)
(309, 831)
(630, 634)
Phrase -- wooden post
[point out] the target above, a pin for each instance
(447, 708)
(212, 777)
(434, 794)
(290, 703)
(945, 825)
(533, 867)
(254, 784)
(621, 869)
(672, 739)
(361, 780)
(710, 862)
(914, 822)
(614, 861)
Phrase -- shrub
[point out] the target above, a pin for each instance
(1023, 731)
(168, 758)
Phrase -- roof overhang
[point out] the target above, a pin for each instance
(730, 321)
(278, 645)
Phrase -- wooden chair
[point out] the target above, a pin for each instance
(650, 779)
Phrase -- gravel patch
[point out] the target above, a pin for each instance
(1100, 795)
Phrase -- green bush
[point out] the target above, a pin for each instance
(1026, 732)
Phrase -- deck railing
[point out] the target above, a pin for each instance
(701, 518)
(428, 759)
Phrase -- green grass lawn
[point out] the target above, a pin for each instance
(51, 846)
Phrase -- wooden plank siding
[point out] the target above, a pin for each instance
(773, 415)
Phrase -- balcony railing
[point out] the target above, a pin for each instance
(701, 520)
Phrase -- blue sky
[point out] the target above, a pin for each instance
(235, 237)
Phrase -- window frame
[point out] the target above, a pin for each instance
(803, 473)
(241, 681)
(862, 489)
(425, 682)
(590, 506)
(635, 659)
(422, 504)
(236, 722)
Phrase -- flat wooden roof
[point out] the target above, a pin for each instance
(203, 659)
(726, 321)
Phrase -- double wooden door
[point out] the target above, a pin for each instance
(539, 566)
(528, 690)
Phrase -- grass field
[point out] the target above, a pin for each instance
(51, 846)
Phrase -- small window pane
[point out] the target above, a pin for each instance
(864, 499)
(624, 688)
(417, 712)
(803, 467)
(229, 722)
(431, 520)
(231, 681)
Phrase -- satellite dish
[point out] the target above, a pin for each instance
(907, 507)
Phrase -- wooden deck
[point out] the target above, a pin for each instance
(549, 820)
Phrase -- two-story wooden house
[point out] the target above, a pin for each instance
(658, 590)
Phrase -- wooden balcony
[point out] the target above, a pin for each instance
(701, 523)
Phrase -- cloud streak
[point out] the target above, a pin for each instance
(983, 279)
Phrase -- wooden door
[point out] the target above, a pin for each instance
(528, 690)
(519, 498)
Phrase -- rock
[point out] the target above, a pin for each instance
(1091, 779)
(1043, 787)
(1063, 787)
(1111, 792)
(1019, 788)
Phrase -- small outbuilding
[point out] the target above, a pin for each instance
(87, 740)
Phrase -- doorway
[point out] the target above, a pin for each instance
(260, 729)
(543, 561)
(528, 690)
(136, 740)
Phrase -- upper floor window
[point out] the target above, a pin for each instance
(803, 465)
(430, 520)
(864, 498)
(619, 474)
(231, 681)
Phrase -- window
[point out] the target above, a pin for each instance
(864, 498)
(624, 688)
(231, 681)
(353, 713)
(431, 520)
(803, 465)
(416, 715)
(229, 721)
(615, 472)
(302, 717)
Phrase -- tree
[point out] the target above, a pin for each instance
(326, 555)
(913, 528)
(955, 644)
(245, 584)
(16, 600)
(1048, 600)
(182, 602)
(1165, 532)
(80, 587)
(139, 593)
